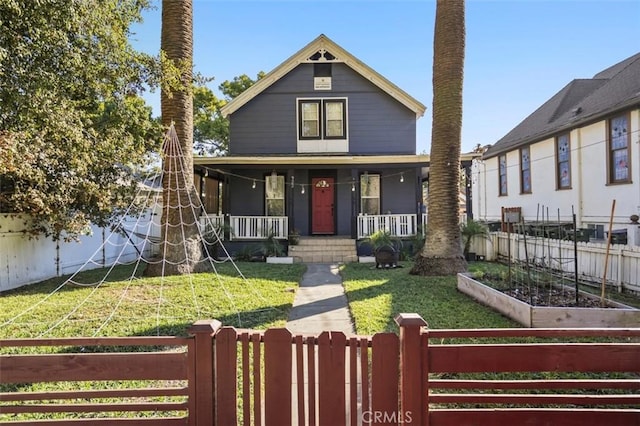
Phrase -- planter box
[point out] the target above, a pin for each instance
(366, 259)
(549, 317)
(280, 260)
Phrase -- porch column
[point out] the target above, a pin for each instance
(290, 210)
(466, 169)
(354, 204)
(225, 207)
(418, 188)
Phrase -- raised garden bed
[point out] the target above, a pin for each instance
(613, 315)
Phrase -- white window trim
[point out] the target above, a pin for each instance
(323, 145)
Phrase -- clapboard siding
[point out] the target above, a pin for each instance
(377, 123)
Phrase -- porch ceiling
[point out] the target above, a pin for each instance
(422, 160)
(320, 160)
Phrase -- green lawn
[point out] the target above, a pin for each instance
(151, 306)
(376, 296)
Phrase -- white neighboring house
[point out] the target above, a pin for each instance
(578, 152)
(25, 260)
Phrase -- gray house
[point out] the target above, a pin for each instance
(323, 145)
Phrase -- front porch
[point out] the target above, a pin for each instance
(252, 228)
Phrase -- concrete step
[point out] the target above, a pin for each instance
(324, 250)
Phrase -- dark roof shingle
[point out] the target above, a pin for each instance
(578, 103)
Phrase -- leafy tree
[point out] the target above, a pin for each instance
(210, 128)
(441, 254)
(73, 127)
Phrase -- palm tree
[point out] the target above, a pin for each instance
(442, 253)
(181, 248)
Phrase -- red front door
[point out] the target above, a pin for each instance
(322, 218)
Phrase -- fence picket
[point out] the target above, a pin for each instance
(299, 345)
(353, 380)
(257, 379)
(384, 376)
(331, 386)
(311, 372)
(226, 379)
(246, 378)
(364, 374)
(277, 377)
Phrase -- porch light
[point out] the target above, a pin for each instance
(353, 187)
(292, 182)
(302, 190)
(253, 186)
(401, 177)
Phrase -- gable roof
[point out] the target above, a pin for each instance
(322, 43)
(580, 102)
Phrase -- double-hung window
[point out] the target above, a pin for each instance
(525, 170)
(502, 172)
(370, 194)
(619, 150)
(274, 195)
(322, 125)
(563, 165)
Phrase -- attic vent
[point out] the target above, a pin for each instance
(322, 55)
(576, 111)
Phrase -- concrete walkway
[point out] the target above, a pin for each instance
(320, 303)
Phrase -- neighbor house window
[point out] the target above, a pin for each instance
(274, 195)
(369, 194)
(563, 166)
(322, 119)
(525, 170)
(502, 170)
(619, 152)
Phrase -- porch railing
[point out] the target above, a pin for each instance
(259, 227)
(398, 225)
(215, 221)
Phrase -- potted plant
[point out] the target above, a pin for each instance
(294, 237)
(385, 248)
(469, 230)
(273, 250)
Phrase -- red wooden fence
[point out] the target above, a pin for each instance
(224, 376)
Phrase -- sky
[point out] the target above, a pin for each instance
(519, 53)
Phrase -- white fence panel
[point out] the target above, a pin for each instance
(25, 260)
(623, 270)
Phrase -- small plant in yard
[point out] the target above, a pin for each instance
(470, 230)
(385, 247)
(272, 246)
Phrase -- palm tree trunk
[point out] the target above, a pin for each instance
(181, 246)
(442, 252)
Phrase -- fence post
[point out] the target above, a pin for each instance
(201, 373)
(412, 386)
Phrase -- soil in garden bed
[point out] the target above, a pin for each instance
(553, 297)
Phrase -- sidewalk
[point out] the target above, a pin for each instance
(320, 303)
